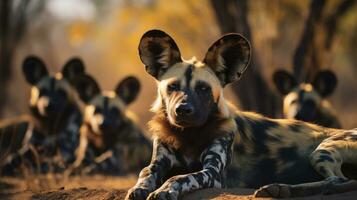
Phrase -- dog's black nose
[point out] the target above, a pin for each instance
(299, 116)
(305, 115)
(50, 107)
(184, 109)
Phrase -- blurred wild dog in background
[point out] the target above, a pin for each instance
(199, 136)
(46, 140)
(307, 101)
(110, 140)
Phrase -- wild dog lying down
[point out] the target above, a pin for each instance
(307, 101)
(13, 134)
(110, 141)
(55, 117)
(195, 131)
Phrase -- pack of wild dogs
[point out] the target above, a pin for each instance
(196, 138)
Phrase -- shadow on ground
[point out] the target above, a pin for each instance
(114, 188)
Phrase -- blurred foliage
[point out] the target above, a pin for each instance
(107, 42)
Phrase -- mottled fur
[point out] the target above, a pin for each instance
(193, 128)
(307, 101)
(189, 141)
(54, 122)
(111, 142)
(194, 153)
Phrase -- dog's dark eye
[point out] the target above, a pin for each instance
(203, 88)
(173, 86)
(294, 101)
(114, 111)
(61, 93)
(309, 103)
(98, 110)
(43, 92)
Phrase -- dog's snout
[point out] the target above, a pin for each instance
(299, 116)
(105, 124)
(50, 107)
(184, 109)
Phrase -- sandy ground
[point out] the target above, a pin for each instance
(111, 188)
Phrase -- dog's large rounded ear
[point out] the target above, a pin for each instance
(86, 87)
(158, 51)
(229, 57)
(325, 83)
(73, 68)
(284, 81)
(128, 89)
(34, 69)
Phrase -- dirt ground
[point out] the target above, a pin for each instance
(112, 188)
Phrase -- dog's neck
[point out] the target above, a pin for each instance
(190, 141)
(123, 135)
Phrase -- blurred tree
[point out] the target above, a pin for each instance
(315, 43)
(312, 52)
(253, 90)
(14, 20)
(332, 21)
(306, 55)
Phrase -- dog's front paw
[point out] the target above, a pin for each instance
(273, 190)
(137, 193)
(163, 195)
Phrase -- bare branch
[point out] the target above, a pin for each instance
(332, 21)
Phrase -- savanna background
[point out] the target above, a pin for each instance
(299, 36)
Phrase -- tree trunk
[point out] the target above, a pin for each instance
(313, 51)
(332, 21)
(5, 50)
(306, 57)
(252, 90)
(14, 19)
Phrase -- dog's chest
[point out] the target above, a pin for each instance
(186, 165)
(191, 162)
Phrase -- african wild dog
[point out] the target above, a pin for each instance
(307, 101)
(110, 141)
(195, 131)
(13, 135)
(55, 115)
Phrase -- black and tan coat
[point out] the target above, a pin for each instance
(48, 137)
(307, 101)
(199, 137)
(110, 140)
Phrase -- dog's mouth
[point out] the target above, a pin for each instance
(182, 122)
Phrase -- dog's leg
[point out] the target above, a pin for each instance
(214, 160)
(82, 147)
(163, 159)
(327, 160)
